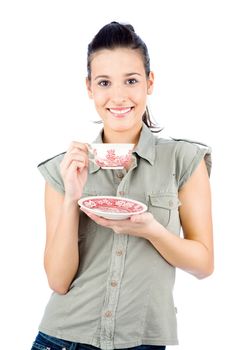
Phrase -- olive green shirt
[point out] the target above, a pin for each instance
(122, 295)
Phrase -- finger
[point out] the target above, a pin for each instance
(78, 146)
(99, 220)
(77, 156)
(77, 151)
(136, 219)
(76, 165)
(91, 215)
(140, 218)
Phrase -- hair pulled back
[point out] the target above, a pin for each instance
(116, 35)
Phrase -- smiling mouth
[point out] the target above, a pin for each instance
(120, 111)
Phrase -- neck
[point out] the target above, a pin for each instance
(129, 136)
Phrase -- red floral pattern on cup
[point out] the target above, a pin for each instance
(111, 159)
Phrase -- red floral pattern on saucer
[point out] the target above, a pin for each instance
(112, 207)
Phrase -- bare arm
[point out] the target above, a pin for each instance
(61, 257)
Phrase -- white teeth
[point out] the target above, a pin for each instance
(121, 111)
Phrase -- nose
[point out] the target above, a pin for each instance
(118, 94)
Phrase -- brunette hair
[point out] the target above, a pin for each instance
(115, 35)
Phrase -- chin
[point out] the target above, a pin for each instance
(121, 127)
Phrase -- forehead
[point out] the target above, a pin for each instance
(119, 59)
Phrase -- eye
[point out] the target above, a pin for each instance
(104, 83)
(131, 81)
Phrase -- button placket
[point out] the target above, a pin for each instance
(115, 275)
(121, 191)
(118, 176)
(113, 288)
(123, 187)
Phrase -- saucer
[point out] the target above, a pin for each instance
(110, 207)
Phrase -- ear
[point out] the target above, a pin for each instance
(150, 83)
(89, 90)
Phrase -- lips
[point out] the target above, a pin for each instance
(120, 111)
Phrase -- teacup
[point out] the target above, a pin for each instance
(111, 155)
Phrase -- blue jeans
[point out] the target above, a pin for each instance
(46, 342)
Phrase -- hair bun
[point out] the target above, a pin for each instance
(128, 26)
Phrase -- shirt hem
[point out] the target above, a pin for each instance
(96, 342)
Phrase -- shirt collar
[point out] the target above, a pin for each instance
(145, 147)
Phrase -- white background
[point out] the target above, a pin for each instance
(44, 106)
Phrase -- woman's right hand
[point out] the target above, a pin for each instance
(74, 168)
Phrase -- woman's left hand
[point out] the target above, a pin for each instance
(141, 225)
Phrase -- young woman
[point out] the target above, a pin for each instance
(113, 279)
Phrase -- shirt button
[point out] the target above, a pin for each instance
(170, 203)
(119, 252)
(114, 283)
(108, 313)
(120, 175)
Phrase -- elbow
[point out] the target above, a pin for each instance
(206, 272)
(59, 288)
(58, 285)
(206, 267)
(57, 281)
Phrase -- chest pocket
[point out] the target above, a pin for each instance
(165, 208)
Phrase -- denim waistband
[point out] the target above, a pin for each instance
(47, 342)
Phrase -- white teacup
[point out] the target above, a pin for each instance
(112, 155)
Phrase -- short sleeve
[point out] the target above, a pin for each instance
(189, 155)
(50, 169)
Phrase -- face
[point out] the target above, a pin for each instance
(119, 87)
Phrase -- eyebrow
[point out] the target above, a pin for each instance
(107, 76)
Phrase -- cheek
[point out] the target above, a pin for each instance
(140, 99)
(140, 95)
(99, 98)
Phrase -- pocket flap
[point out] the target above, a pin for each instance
(164, 201)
